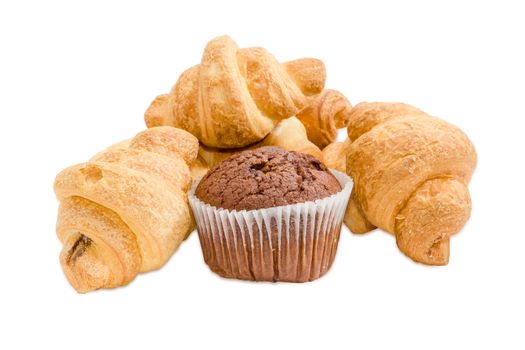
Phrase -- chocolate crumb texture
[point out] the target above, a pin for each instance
(266, 177)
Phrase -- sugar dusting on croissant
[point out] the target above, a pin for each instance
(125, 211)
(411, 173)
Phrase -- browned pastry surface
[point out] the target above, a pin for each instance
(236, 96)
(411, 174)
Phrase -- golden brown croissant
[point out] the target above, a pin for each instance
(125, 211)
(289, 134)
(411, 173)
(235, 97)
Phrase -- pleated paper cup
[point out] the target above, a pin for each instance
(293, 243)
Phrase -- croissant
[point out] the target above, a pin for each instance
(289, 134)
(235, 97)
(125, 211)
(411, 173)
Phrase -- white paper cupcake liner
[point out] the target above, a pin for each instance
(294, 243)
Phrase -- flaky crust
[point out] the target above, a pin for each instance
(334, 155)
(126, 210)
(324, 114)
(235, 97)
(289, 134)
(366, 115)
(411, 173)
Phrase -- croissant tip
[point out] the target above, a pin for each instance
(437, 254)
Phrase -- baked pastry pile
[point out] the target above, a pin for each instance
(261, 134)
(236, 98)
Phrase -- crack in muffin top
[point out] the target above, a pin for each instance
(266, 177)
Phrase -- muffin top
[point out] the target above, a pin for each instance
(266, 177)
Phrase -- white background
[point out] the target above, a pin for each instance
(75, 78)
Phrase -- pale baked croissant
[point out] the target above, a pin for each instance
(411, 173)
(125, 211)
(235, 97)
(289, 134)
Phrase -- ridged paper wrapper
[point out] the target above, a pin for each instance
(293, 243)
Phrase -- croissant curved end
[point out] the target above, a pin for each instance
(437, 210)
(326, 112)
(308, 73)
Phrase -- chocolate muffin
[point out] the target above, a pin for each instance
(266, 177)
(270, 215)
